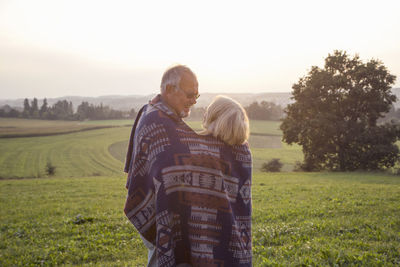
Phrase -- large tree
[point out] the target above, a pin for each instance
(334, 116)
(43, 112)
(27, 109)
(34, 112)
(264, 111)
(62, 110)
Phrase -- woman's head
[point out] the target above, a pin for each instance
(226, 119)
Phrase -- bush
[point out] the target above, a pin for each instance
(81, 219)
(273, 165)
(300, 167)
(50, 169)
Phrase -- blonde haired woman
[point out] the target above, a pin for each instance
(226, 120)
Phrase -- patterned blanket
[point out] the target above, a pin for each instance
(188, 194)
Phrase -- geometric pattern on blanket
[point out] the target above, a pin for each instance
(189, 194)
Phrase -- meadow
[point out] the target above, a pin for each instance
(302, 219)
(73, 155)
(12, 127)
(101, 151)
(75, 217)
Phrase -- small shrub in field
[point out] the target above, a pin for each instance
(50, 169)
(302, 167)
(273, 165)
(81, 219)
(298, 167)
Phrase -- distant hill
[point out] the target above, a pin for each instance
(120, 102)
(115, 102)
(282, 99)
(128, 102)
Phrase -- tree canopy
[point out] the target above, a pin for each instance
(334, 116)
(264, 111)
(63, 110)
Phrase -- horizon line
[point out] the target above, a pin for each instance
(145, 95)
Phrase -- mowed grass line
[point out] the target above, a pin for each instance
(299, 219)
(288, 155)
(263, 149)
(124, 122)
(89, 153)
(15, 127)
(73, 155)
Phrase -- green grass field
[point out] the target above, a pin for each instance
(76, 217)
(11, 127)
(102, 151)
(73, 155)
(109, 122)
(299, 219)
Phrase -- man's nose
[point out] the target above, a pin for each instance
(193, 101)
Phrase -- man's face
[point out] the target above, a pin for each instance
(183, 98)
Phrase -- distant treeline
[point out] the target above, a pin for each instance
(255, 111)
(63, 110)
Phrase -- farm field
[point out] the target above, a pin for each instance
(102, 151)
(76, 217)
(73, 155)
(126, 122)
(12, 127)
(308, 219)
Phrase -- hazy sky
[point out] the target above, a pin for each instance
(92, 48)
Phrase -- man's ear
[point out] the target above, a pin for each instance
(170, 88)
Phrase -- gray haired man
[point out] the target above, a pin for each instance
(179, 92)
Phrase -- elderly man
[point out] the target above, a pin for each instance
(179, 91)
(188, 195)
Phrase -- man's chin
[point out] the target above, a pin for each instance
(184, 114)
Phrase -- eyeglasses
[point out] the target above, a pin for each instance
(189, 96)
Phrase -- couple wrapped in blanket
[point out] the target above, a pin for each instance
(189, 193)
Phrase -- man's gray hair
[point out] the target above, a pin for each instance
(173, 75)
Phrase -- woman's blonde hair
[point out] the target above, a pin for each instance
(227, 120)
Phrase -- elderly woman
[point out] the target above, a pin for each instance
(190, 195)
(226, 119)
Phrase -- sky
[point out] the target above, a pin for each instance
(55, 48)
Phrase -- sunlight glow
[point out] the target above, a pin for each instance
(252, 46)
